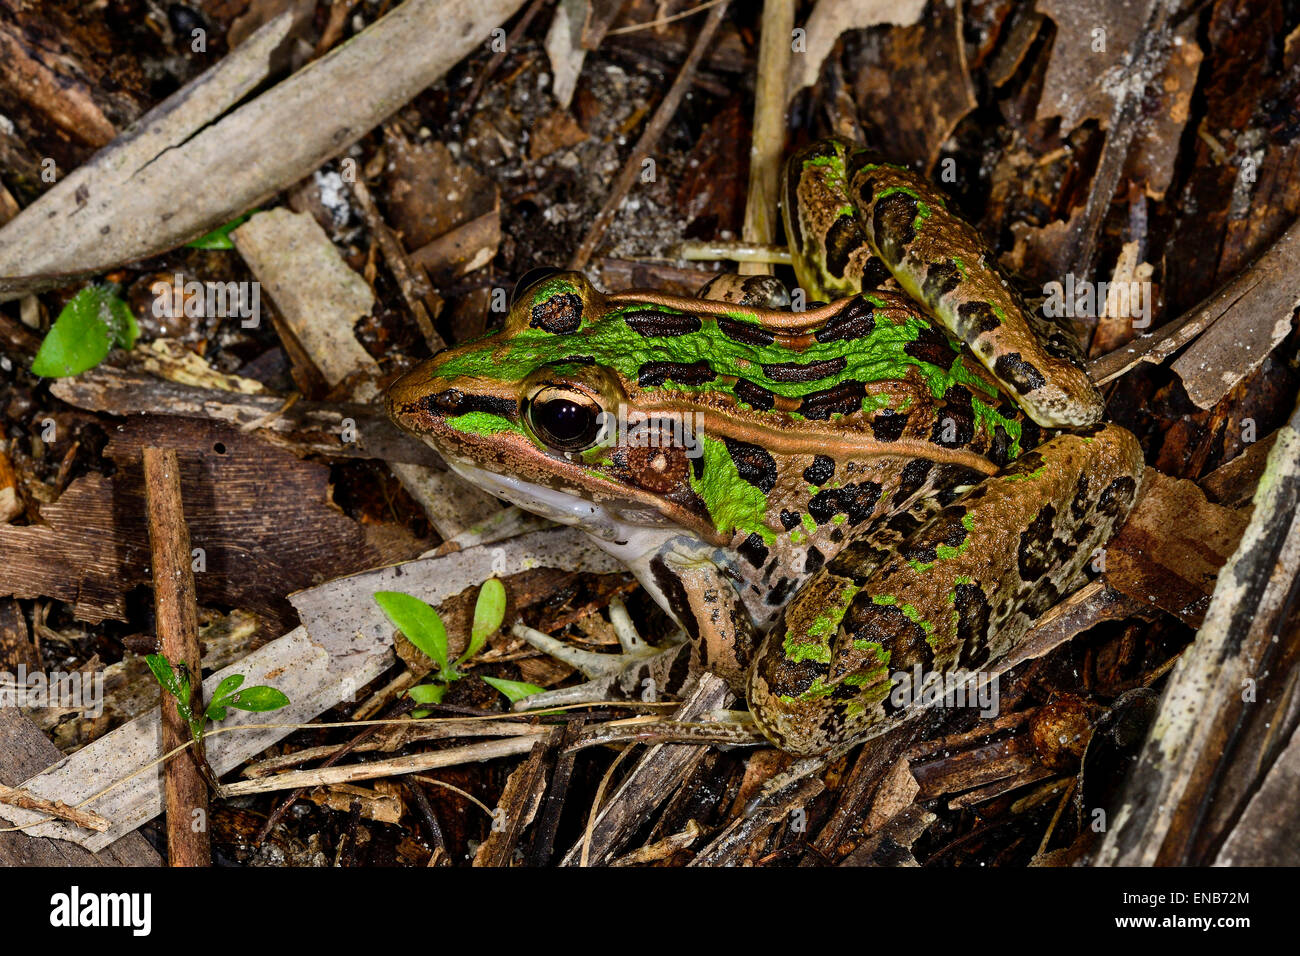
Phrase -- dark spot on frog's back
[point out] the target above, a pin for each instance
(855, 501)
(972, 625)
(746, 333)
(653, 322)
(683, 373)
(559, 315)
(855, 321)
(1117, 497)
(1019, 374)
(789, 519)
(977, 318)
(945, 529)
(1079, 505)
(753, 550)
(1036, 554)
(932, 346)
(891, 225)
(813, 560)
(820, 471)
(888, 425)
(955, 426)
(843, 399)
(805, 371)
(843, 239)
(753, 464)
(940, 279)
(885, 624)
(756, 396)
(787, 678)
(912, 478)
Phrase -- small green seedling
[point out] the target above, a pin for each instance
(229, 693)
(219, 238)
(516, 690)
(93, 321)
(424, 628)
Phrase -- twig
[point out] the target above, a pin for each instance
(411, 281)
(17, 797)
(556, 792)
(595, 807)
(400, 708)
(185, 781)
(769, 128)
(430, 820)
(488, 750)
(654, 129)
(664, 21)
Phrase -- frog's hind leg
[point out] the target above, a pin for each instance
(942, 262)
(951, 596)
(831, 251)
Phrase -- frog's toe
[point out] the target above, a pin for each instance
(641, 671)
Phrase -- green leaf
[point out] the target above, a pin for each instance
(88, 327)
(516, 690)
(258, 699)
(216, 712)
(177, 686)
(420, 623)
(226, 688)
(219, 238)
(163, 673)
(427, 693)
(489, 612)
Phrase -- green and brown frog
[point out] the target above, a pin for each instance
(824, 499)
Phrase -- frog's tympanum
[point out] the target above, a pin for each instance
(823, 499)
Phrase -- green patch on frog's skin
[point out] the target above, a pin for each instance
(1026, 476)
(813, 643)
(733, 503)
(483, 423)
(909, 611)
(836, 172)
(549, 288)
(946, 552)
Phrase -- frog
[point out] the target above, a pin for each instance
(897, 479)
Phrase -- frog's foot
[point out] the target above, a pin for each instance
(641, 671)
(890, 627)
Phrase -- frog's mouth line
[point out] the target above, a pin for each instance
(604, 521)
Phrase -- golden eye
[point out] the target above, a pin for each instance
(564, 418)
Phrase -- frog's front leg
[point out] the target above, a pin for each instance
(955, 594)
(680, 573)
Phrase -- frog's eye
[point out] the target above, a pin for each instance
(564, 418)
(530, 278)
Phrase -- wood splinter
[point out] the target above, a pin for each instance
(184, 785)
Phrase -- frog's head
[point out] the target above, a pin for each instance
(539, 413)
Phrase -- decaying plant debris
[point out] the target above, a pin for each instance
(399, 183)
